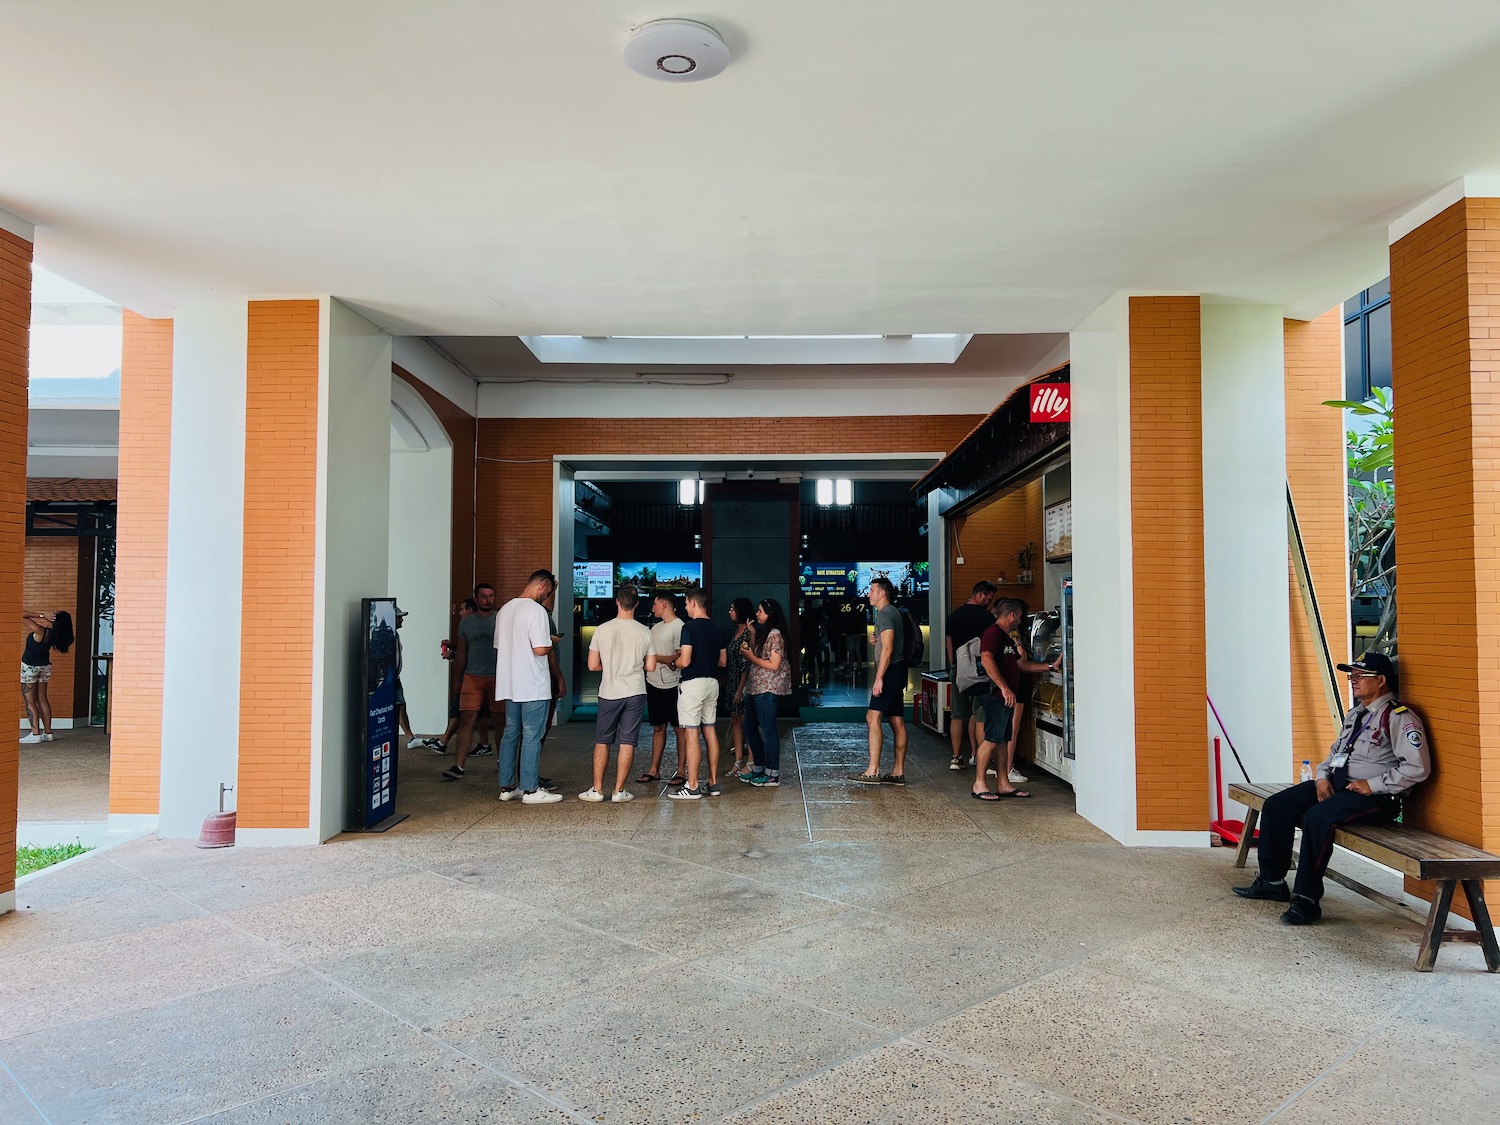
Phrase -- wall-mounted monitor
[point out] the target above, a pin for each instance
(908, 577)
(593, 580)
(649, 576)
(828, 579)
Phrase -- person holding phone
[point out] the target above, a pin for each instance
(49, 632)
(732, 698)
(770, 677)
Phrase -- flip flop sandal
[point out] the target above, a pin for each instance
(647, 778)
(677, 780)
(1012, 794)
(985, 796)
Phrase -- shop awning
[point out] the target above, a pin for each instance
(1005, 449)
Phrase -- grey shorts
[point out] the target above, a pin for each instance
(619, 722)
(963, 706)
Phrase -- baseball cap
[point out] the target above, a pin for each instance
(400, 612)
(1374, 663)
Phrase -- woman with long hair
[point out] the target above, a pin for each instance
(770, 677)
(49, 632)
(736, 674)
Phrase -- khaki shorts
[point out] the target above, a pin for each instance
(475, 692)
(698, 702)
(963, 706)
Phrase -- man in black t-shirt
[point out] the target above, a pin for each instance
(968, 621)
(701, 656)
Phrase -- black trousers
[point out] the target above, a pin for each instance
(1300, 805)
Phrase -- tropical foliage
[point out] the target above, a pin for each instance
(1372, 512)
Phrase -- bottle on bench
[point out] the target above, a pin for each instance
(1307, 774)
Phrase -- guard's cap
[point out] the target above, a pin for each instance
(400, 612)
(1375, 664)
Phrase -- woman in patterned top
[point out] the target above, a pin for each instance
(770, 677)
(732, 688)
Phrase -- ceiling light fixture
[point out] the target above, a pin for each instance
(676, 51)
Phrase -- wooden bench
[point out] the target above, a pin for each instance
(1410, 851)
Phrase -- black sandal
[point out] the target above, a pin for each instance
(677, 779)
(648, 778)
(985, 796)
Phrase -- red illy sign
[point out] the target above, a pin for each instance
(1051, 402)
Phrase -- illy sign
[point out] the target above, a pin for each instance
(1051, 402)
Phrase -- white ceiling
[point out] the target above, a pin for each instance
(477, 167)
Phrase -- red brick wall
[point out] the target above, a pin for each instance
(15, 336)
(281, 462)
(1445, 321)
(141, 566)
(51, 585)
(515, 497)
(1166, 511)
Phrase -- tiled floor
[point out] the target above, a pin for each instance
(824, 952)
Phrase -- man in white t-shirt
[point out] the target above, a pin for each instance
(661, 687)
(523, 638)
(621, 649)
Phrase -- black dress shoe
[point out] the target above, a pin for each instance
(1304, 912)
(1276, 892)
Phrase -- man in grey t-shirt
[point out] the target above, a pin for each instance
(621, 650)
(888, 689)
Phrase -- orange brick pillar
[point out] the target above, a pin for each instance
(1445, 335)
(1315, 471)
(316, 528)
(15, 343)
(140, 570)
(1167, 574)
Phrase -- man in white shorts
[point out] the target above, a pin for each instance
(621, 650)
(701, 657)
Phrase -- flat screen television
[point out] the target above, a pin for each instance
(649, 576)
(908, 577)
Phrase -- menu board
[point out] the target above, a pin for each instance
(1057, 532)
(829, 580)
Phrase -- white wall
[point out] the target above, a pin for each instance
(827, 393)
(421, 546)
(1245, 534)
(205, 564)
(1103, 600)
(354, 482)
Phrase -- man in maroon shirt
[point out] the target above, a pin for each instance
(1003, 663)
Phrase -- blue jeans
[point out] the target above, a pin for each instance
(525, 723)
(760, 731)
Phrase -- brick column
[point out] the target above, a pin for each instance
(15, 342)
(1445, 335)
(1166, 524)
(141, 568)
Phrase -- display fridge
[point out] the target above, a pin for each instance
(1052, 636)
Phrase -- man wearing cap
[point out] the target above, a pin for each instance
(1380, 753)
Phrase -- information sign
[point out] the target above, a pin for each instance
(828, 580)
(377, 746)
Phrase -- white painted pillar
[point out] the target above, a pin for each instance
(353, 539)
(1103, 598)
(205, 561)
(1244, 532)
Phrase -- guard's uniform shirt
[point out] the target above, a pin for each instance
(1383, 743)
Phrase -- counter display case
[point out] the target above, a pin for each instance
(1052, 701)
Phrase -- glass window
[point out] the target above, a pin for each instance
(1367, 341)
(1378, 347)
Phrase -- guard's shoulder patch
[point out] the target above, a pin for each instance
(1401, 709)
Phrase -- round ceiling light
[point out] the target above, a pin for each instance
(676, 51)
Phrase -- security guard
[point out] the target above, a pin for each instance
(1380, 754)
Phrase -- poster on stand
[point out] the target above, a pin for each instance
(377, 749)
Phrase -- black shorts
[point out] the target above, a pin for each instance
(997, 718)
(661, 705)
(891, 701)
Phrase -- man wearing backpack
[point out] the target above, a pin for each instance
(966, 623)
(888, 689)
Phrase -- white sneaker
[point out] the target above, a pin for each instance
(31, 739)
(509, 793)
(46, 738)
(593, 796)
(1017, 778)
(540, 797)
(991, 770)
(622, 796)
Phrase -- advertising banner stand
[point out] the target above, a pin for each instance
(377, 750)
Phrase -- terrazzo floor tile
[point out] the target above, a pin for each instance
(433, 1084)
(204, 1053)
(889, 972)
(15, 1106)
(666, 1049)
(333, 924)
(90, 979)
(61, 919)
(1136, 1049)
(904, 1084)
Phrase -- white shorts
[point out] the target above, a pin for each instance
(35, 673)
(698, 702)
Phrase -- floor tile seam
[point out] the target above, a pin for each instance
(371, 1002)
(986, 1065)
(250, 1101)
(792, 1084)
(1391, 1018)
(25, 1093)
(884, 1034)
(801, 788)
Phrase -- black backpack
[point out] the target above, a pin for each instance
(914, 646)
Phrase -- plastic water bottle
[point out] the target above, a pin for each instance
(1306, 770)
